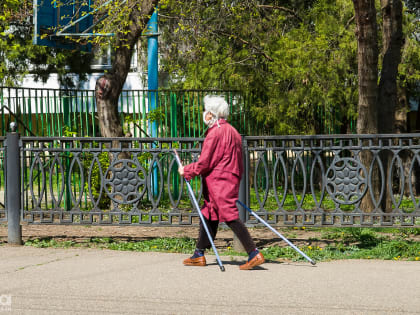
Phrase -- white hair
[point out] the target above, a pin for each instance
(217, 106)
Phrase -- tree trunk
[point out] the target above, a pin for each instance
(388, 94)
(107, 94)
(109, 86)
(367, 59)
(417, 165)
(418, 118)
(392, 45)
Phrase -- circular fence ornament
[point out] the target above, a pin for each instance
(123, 181)
(346, 181)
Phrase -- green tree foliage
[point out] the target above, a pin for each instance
(298, 58)
(18, 56)
(409, 69)
(10, 46)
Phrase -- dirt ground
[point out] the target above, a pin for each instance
(261, 235)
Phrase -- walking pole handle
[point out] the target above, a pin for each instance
(177, 158)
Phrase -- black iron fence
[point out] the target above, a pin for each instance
(338, 180)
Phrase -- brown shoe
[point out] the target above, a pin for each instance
(199, 261)
(256, 261)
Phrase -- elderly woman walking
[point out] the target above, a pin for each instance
(221, 168)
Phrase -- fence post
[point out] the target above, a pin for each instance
(237, 246)
(13, 194)
(243, 185)
(65, 101)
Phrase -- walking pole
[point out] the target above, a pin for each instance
(194, 200)
(275, 231)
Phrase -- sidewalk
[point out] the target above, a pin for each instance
(92, 281)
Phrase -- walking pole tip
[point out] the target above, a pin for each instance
(222, 268)
(313, 263)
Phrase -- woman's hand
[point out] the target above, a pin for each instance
(181, 170)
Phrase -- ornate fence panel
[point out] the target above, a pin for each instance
(106, 181)
(339, 180)
(342, 180)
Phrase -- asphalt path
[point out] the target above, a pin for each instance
(94, 281)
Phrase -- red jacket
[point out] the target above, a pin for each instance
(220, 165)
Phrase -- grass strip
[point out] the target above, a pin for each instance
(346, 244)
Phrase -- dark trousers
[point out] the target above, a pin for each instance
(236, 226)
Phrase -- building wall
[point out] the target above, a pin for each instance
(133, 82)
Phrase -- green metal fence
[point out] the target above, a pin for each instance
(54, 112)
(59, 112)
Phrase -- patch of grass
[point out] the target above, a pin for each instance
(386, 250)
(49, 242)
(174, 245)
(350, 244)
(171, 245)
